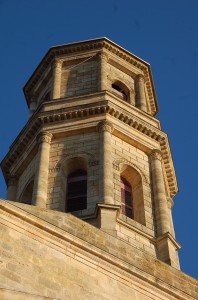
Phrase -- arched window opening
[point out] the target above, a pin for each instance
(26, 196)
(126, 198)
(76, 191)
(132, 199)
(120, 90)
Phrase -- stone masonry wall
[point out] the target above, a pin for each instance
(73, 147)
(116, 74)
(79, 78)
(51, 254)
(122, 151)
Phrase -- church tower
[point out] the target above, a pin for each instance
(93, 153)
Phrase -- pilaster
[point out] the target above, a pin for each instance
(159, 193)
(140, 93)
(41, 177)
(106, 168)
(12, 188)
(103, 60)
(56, 79)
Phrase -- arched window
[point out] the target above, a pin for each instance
(76, 191)
(132, 198)
(120, 90)
(126, 198)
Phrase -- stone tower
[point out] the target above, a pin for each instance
(93, 156)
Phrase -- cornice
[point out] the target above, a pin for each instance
(94, 45)
(84, 111)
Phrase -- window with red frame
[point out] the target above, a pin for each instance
(126, 198)
(76, 191)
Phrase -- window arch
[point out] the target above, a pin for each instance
(132, 194)
(121, 90)
(76, 198)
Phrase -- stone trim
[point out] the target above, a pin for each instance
(122, 161)
(44, 137)
(170, 203)
(98, 108)
(57, 63)
(156, 154)
(165, 237)
(105, 126)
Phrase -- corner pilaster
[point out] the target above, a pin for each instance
(140, 93)
(105, 129)
(56, 80)
(41, 177)
(159, 193)
(12, 188)
(103, 60)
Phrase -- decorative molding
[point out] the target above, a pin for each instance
(96, 45)
(57, 63)
(104, 57)
(105, 126)
(140, 78)
(44, 137)
(170, 202)
(156, 154)
(28, 133)
(66, 156)
(118, 163)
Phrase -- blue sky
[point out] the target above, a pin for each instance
(162, 32)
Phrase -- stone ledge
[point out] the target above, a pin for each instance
(62, 227)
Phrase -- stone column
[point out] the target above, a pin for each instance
(106, 169)
(12, 189)
(140, 93)
(33, 105)
(41, 177)
(170, 204)
(56, 84)
(103, 71)
(160, 201)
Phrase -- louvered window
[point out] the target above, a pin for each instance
(126, 198)
(76, 191)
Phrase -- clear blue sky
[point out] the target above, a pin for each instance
(162, 32)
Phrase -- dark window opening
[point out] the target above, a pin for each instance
(126, 198)
(76, 191)
(120, 90)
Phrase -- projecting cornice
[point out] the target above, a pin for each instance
(87, 47)
(100, 107)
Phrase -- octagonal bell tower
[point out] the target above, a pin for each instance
(93, 147)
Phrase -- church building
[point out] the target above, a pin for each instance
(90, 185)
